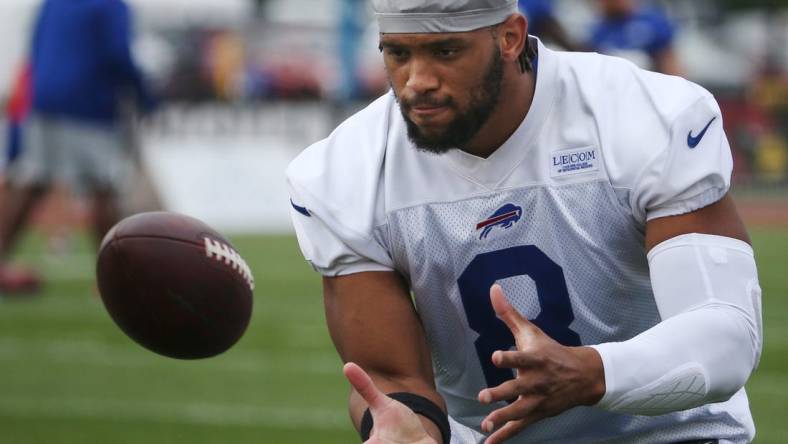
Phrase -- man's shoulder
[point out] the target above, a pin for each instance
(341, 174)
(616, 86)
(637, 114)
(354, 144)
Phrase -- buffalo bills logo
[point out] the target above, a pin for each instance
(505, 217)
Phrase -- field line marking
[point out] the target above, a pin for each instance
(179, 413)
(85, 351)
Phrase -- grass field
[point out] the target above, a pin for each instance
(68, 375)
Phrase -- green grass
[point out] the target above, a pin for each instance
(68, 375)
(768, 388)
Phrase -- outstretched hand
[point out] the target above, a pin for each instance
(395, 423)
(551, 378)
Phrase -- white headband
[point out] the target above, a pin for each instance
(440, 16)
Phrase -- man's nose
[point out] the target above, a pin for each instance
(421, 78)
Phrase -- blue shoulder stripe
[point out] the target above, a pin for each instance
(301, 210)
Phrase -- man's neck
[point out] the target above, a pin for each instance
(517, 94)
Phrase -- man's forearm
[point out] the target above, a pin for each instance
(686, 361)
(706, 288)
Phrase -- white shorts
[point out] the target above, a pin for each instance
(86, 157)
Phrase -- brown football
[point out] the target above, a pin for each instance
(174, 285)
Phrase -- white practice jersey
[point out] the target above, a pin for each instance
(556, 215)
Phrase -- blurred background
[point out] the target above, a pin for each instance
(246, 84)
(236, 89)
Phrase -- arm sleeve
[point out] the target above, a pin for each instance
(692, 171)
(710, 339)
(337, 195)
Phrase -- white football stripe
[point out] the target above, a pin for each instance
(223, 253)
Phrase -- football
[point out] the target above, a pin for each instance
(174, 285)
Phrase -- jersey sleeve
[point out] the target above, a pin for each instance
(336, 201)
(331, 248)
(692, 171)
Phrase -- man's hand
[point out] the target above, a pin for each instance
(394, 422)
(551, 378)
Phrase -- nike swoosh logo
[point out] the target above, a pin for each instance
(693, 141)
(301, 210)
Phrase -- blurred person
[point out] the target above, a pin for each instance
(260, 8)
(81, 70)
(642, 34)
(524, 245)
(351, 25)
(543, 23)
(16, 279)
(766, 112)
(770, 94)
(59, 236)
(771, 158)
(225, 59)
(17, 111)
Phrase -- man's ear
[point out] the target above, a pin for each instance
(512, 35)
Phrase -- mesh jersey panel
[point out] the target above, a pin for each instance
(580, 228)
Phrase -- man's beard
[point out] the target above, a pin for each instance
(484, 99)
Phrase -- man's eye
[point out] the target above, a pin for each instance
(447, 52)
(396, 53)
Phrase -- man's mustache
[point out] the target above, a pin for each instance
(424, 101)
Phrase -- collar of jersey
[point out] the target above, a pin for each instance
(493, 171)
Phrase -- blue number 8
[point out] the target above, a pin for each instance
(556, 309)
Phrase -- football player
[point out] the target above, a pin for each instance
(529, 246)
(81, 71)
(542, 22)
(644, 35)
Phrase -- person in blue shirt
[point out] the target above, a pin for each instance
(642, 34)
(543, 23)
(81, 71)
(81, 60)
